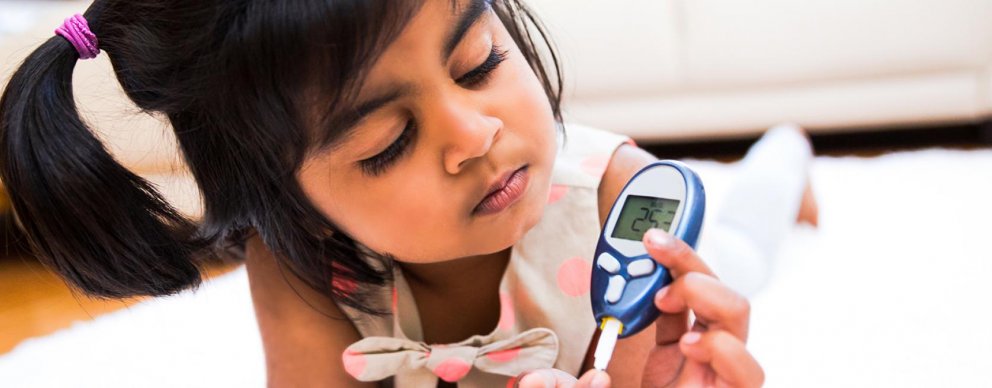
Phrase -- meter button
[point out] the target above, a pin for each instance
(640, 268)
(615, 289)
(608, 263)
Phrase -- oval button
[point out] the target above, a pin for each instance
(615, 289)
(608, 263)
(640, 268)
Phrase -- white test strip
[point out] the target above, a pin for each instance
(607, 341)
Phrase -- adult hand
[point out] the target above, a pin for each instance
(711, 353)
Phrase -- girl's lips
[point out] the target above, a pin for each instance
(506, 193)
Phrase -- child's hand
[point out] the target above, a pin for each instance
(711, 354)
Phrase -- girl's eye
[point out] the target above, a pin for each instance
(480, 74)
(378, 164)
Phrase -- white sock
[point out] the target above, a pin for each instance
(759, 209)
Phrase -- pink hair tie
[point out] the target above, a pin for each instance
(77, 31)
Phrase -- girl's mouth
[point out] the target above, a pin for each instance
(504, 193)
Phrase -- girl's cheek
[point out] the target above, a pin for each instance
(523, 90)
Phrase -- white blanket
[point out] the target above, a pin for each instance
(891, 290)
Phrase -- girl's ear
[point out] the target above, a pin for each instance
(105, 230)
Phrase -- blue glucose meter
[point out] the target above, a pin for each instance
(665, 195)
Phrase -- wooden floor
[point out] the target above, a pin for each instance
(34, 302)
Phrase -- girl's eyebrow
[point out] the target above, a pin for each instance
(349, 119)
(466, 19)
(469, 16)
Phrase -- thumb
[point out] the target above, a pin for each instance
(594, 378)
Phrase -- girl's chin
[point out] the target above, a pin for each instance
(506, 234)
(497, 234)
(516, 227)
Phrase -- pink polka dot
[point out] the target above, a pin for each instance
(574, 276)
(452, 369)
(595, 165)
(503, 355)
(557, 191)
(344, 286)
(507, 317)
(354, 363)
(339, 283)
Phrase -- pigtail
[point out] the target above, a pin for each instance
(105, 230)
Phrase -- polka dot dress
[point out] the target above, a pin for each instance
(546, 283)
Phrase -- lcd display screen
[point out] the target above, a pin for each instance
(639, 214)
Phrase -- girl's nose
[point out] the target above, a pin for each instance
(468, 134)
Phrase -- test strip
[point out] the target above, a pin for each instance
(607, 342)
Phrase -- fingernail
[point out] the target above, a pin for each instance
(659, 239)
(691, 337)
(600, 381)
(661, 293)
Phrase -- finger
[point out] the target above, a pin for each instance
(594, 379)
(669, 328)
(680, 259)
(546, 378)
(673, 253)
(726, 355)
(714, 304)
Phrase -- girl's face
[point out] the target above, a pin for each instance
(454, 155)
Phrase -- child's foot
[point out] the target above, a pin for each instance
(809, 211)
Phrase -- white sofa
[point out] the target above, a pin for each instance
(681, 69)
(678, 69)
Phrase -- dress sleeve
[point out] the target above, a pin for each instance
(583, 155)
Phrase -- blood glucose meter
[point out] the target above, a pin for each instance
(665, 195)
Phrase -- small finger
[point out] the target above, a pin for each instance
(546, 378)
(594, 379)
(673, 253)
(726, 355)
(713, 303)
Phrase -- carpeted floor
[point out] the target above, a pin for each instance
(891, 290)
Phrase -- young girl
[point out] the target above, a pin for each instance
(395, 173)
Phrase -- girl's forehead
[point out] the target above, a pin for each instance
(435, 30)
(450, 17)
(432, 28)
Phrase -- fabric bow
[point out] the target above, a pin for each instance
(376, 358)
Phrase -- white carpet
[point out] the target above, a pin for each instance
(891, 290)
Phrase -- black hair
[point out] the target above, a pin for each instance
(234, 78)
